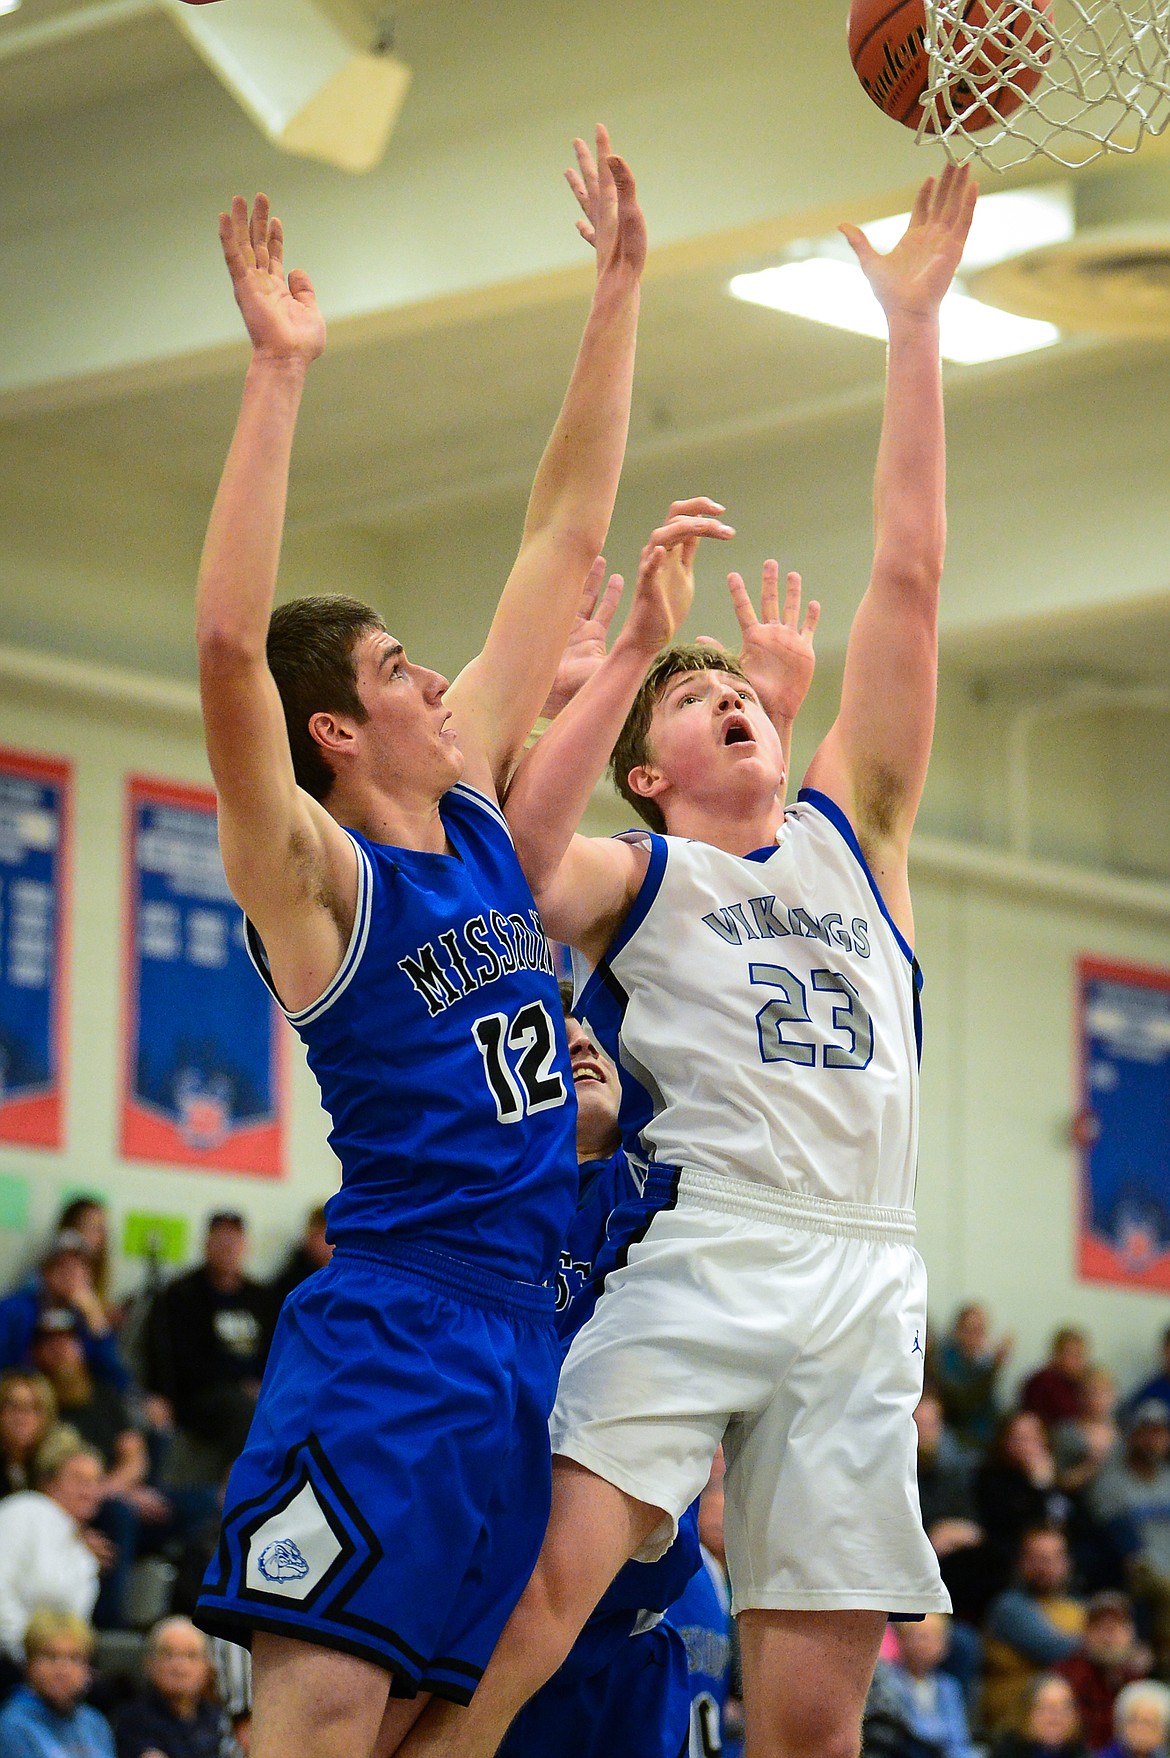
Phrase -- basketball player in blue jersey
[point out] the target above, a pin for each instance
(390, 1501)
(760, 965)
(623, 1691)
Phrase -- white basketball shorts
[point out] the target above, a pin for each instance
(791, 1328)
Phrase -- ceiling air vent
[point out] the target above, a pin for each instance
(1111, 279)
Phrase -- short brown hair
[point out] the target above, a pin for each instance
(310, 654)
(633, 746)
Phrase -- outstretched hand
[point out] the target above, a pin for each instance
(281, 315)
(914, 277)
(666, 572)
(585, 648)
(613, 222)
(777, 652)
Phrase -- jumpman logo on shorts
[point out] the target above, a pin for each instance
(917, 1349)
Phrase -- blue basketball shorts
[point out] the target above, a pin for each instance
(394, 1490)
(637, 1706)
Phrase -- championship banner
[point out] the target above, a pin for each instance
(204, 1043)
(34, 902)
(1123, 1128)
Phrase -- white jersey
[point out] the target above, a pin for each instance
(763, 1010)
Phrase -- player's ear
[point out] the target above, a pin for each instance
(647, 782)
(331, 731)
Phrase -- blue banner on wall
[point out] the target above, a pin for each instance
(1124, 1124)
(34, 889)
(203, 1039)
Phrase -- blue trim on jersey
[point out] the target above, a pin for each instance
(831, 810)
(359, 934)
(647, 892)
(478, 798)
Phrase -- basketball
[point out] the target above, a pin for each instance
(887, 45)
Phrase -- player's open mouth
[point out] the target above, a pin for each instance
(737, 731)
(588, 1071)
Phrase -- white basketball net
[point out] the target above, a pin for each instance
(1103, 82)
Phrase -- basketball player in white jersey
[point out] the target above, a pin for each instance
(757, 971)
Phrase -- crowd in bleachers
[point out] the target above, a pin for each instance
(117, 1429)
(1050, 1515)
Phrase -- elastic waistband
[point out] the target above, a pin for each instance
(791, 1208)
(451, 1275)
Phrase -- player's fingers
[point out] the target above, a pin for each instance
(586, 165)
(698, 503)
(587, 232)
(576, 183)
(231, 252)
(770, 593)
(922, 202)
(603, 146)
(276, 247)
(858, 242)
(653, 557)
(690, 525)
(591, 591)
(610, 599)
(741, 602)
(240, 237)
(301, 288)
(812, 617)
(258, 230)
(709, 641)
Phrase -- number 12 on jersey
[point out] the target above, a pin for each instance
(528, 1082)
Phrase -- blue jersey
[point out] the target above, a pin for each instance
(640, 1590)
(439, 1048)
(702, 1617)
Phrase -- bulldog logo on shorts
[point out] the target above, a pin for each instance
(293, 1550)
(282, 1561)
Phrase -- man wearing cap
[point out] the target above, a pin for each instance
(64, 1279)
(207, 1340)
(1110, 1656)
(1133, 1498)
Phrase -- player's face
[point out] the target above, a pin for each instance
(711, 739)
(599, 1093)
(409, 736)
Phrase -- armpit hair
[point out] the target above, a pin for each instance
(304, 854)
(878, 796)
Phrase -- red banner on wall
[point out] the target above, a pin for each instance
(204, 1044)
(35, 853)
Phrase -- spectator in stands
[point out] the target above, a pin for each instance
(1110, 1656)
(1015, 1488)
(1091, 1439)
(967, 1370)
(1053, 1392)
(45, 1717)
(1133, 1498)
(929, 1701)
(28, 1411)
(948, 1514)
(1031, 1627)
(101, 1416)
(65, 1278)
(87, 1216)
(207, 1340)
(312, 1252)
(1157, 1387)
(49, 1554)
(176, 1716)
(1050, 1727)
(1141, 1722)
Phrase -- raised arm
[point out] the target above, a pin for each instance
(282, 852)
(584, 885)
(873, 760)
(497, 697)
